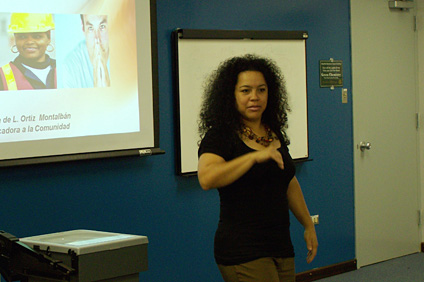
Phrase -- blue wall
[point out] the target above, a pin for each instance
(144, 196)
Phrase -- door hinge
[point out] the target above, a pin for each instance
(402, 5)
(417, 120)
(415, 23)
(419, 217)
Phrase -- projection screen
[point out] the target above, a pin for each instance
(78, 79)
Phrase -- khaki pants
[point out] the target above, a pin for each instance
(260, 270)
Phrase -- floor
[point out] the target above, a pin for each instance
(404, 269)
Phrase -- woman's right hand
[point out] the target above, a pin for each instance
(270, 153)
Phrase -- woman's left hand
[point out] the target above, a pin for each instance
(298, 206)
(311, 243)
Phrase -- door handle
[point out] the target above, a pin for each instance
(364, 146)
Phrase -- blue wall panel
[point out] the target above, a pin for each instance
(144, 196)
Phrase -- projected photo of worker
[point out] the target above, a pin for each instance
(87, 64)
(25, 62)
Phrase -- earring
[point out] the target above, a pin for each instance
(52, 48)
(13, 51)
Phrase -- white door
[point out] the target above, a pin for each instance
(384, 107)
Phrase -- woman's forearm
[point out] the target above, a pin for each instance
(215, 172)
(297, 203)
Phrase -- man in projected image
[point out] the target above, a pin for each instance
(88, 64)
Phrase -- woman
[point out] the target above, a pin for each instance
(244, 154)
(32, 68)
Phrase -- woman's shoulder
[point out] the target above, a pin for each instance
(212, 137)
(217, 142)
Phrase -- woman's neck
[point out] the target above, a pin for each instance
(257, 127)
(35, 64)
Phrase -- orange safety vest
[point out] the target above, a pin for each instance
(14, 79)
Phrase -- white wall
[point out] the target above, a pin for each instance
(420, 27)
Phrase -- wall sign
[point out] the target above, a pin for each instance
(331, 73)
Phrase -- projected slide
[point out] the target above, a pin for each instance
(69, 69)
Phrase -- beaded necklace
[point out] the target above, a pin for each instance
(263, 140)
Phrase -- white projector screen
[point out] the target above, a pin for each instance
(103, 100)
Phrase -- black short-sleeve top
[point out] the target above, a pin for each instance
(254, 214)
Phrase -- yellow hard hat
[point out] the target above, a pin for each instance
(30, 22)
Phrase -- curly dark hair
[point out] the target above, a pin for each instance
(218, 110)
